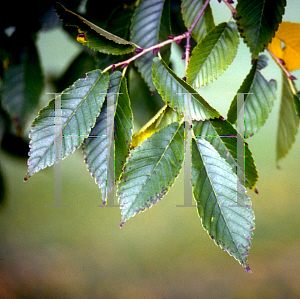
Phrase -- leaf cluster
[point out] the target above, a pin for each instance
(97, 110)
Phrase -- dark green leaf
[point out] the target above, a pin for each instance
(151, 170)
(288, 121)
(150, 26)
(173, 90)
(258, 104)
(22, 86)
(190, 10)
(213, 55)
(93, 36)
(80, 106)
(258, 20)
(222, 136)
(215, 189)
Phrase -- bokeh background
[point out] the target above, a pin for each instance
(81, 252)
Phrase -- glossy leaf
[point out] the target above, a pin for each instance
(258, 104)
(151, 170)
(215, 189)
(257, 21)
(93, 36)
(190, 9)
(173, 90)
(105, 139)
(213, 55)
(289, 34)
(223, 137)
(150, 25)
(80, 106)
(22, 86)
(288, 120)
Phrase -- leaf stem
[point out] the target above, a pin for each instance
(189, 32)
(233, 11)
(280, 63)
(186, 35)
(198, 17)
(162, 44)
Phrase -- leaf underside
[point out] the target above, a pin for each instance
(257, 21)
(174, 90)
(151, 170)
(150, 25)
(222, 136)
(213, 55)
(258, 103)
(93, 36)
(80, 106)
(107, 144)
(215, 189)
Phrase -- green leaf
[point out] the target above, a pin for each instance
(93, 36)
(222, 136)
(150, 26)
(22, 86)
(98, 147)
(213, 55)
(288, 121)
(190, 9)
(215, 190)
(257, 21)
(151, 170)
(120, 21)
(173, 90)
(258, 104)
(163, 117)
(297, 103)
(80, 106)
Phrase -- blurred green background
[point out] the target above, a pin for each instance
(80, 251)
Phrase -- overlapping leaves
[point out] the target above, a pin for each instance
(190, 9)
(106, 148)
(223, 137)
(174, 90)
(215, 189)
(151, 170)
(150, 25)
(213, 55)
(259, 98)
(80, 105)
(258, 21)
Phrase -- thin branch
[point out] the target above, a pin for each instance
(144, 51)
(198, 17)
(189, 32)
(280, 63)
(228, 3)
(156, 47)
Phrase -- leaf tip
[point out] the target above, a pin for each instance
(247, 268)
(121, 224)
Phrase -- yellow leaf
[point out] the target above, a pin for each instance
(289, 34)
